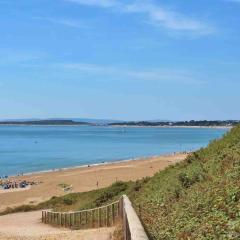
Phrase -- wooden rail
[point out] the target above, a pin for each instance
(105, 216)
(132, 226)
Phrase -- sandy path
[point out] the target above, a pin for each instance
(26, 226)
(85, 179)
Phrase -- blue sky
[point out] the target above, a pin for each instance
(120, 59)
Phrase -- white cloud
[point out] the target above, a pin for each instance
(64, 22)
(15, 56)
(169, 19)
(100, 3)
(155, 14)
(164, 75)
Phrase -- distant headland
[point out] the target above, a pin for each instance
(44, 122)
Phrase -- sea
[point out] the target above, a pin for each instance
(28, 149)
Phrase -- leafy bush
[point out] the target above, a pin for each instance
(114, 190)
(140, 183)
(69, 200)
(185, 180)
(23, 208)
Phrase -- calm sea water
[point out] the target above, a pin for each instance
(36, 148)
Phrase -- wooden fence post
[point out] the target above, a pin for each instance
(70, 219)
(92, 218)
(107, 216)
(113, 217)
(121, 207)
(86, 216)
(99, 217)
(73, 221)
(60, 219)
(80, 220)
(65, 219)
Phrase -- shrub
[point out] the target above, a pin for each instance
(111, 192)
(184, 180)
(69, 200)
(177, 192)
(137, 185)
(23, 208)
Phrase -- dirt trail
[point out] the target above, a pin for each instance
(28, 226)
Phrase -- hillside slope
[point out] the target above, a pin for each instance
(198, 198)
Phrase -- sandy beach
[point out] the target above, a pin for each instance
(83, 179)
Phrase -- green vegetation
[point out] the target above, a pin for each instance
(85, 200)
(63, 185)
(191, 123)
(44, 122)
(198, 198)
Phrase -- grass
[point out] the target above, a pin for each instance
(85, 200)
(63, 185)
(198, 198)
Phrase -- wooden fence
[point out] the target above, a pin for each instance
(132, 226)
(105, 216)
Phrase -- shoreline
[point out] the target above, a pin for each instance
(84, 178)
(142, 158)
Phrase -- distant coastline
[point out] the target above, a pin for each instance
(163, 124)
(111, 126)
(45, 123)
(140, 126)
(183, 124)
